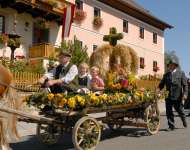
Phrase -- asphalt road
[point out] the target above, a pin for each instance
(128, 138)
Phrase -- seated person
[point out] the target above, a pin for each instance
(84, 79)
(117, 77)
(120, 72)
(62, 77)
(96, 83)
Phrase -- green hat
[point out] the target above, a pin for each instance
(173, 61)
(64, 54)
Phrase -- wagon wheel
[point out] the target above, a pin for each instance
(86, 133)
(152, 119)
(48, 134)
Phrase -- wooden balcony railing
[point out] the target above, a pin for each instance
(41, 50)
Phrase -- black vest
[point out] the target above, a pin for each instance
(60, 69)
(83, 81)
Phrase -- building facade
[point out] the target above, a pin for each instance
(142, 31)
(145, 36)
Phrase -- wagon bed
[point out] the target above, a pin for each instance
(85, 129)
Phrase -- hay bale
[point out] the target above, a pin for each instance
(106, 56)
(121, 55)
(134, 60)
(100, 58)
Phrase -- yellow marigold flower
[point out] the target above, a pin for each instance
(50, 96)
(63, 102)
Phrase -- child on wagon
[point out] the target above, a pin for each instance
(84, 79)
(96, 83)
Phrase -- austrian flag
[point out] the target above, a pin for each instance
(67, 20)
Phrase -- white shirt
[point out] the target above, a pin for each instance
(73, 71)
(174, 71)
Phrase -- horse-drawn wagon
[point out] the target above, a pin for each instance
(58, 114)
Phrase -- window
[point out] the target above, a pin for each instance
(142, 64)
(155, 66)
(79, 4)
(141, 33)
(125, 26)
(2, 24)
(155, 38)
(94, 47)
(97, 12)
(40, 35)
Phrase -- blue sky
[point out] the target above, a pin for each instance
(177, 14)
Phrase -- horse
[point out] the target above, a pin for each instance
(8, 98)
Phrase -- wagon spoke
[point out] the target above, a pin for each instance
(86, 133)
(81, 140)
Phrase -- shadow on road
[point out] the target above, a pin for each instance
(32, 142)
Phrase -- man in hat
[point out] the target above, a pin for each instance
(176, 84)
(61, 78)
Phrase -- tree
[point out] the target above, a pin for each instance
(168, 55)
(79, 53)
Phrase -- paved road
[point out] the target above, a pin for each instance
(126, 139)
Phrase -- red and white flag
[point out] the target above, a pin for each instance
(67, 20)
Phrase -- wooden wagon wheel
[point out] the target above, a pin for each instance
(152, 119)
(48, 134)
(86, 133)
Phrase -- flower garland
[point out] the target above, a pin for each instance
(120, 90)
(78, 102)
(115, 83)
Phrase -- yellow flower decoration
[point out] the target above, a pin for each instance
(63, 102)
(94, 99)
(103, 97)
(50, 96)
(71, 103)
(132, 79)
(139, 95)
(80, 100)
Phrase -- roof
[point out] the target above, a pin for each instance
(132, 8)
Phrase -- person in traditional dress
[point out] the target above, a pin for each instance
(63, 77)
(84, 79)
(176, 84)
(96, 83)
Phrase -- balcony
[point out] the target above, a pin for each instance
(49, 10)
(41, 50)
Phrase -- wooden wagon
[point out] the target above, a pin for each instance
(85, 129)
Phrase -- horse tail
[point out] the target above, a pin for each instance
(14, 103)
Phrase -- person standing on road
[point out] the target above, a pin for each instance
(176, 84)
